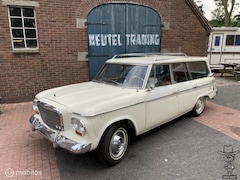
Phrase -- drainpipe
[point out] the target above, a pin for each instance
(0, 104)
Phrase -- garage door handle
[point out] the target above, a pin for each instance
(96, 23)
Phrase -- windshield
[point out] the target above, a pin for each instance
(127, 76)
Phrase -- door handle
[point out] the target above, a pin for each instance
(176, 92)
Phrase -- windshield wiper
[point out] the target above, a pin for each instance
(111, 81)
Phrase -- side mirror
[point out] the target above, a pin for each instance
(151, 87)
(151, 84)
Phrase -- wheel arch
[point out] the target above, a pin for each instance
(194, 110)
(205, 96)
(127, 122)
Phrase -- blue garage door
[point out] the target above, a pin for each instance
(121, 28)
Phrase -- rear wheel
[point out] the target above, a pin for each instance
(199, 106)
(113, 145)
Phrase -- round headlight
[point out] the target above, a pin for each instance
(78, 126)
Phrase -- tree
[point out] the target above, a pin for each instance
(236, 20)
(224, 10)
(199, 4)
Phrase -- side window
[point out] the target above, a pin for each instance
(230, 40)
(233, 40)
(217, 40)
(180, 72)
(198, 69)
(237, 42)
(160, 75)
(23, 28)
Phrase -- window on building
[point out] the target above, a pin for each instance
(23, 28)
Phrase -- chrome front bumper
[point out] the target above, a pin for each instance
(57, 139)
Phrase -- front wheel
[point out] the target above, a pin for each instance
(199, 106)
(113, 145)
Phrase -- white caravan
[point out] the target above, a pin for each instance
(224, 46)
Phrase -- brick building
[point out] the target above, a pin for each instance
(45, 44)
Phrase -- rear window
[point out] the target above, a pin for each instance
(198, 69)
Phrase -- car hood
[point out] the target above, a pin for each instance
(91, 98)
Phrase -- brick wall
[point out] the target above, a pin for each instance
(186, 32)
(57, 63)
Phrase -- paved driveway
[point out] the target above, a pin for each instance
(187, 148)
(24, 154)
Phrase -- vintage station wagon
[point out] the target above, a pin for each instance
(132, 94)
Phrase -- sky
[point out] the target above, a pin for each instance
(209, 6)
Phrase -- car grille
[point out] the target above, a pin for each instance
(50, 116)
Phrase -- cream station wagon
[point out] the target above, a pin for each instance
(132, 94)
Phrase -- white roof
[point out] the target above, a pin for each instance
(154, 59)
(225, 29)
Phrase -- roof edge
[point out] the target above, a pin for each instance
(203, 20)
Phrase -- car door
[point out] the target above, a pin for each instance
(202, 77)
(186, 87)
(161, 100)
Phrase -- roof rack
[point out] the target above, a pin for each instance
(147, 55)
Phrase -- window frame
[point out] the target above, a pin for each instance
(196, 71)
(24, 29)
(160, 75)
(178, 74)
(232, 40)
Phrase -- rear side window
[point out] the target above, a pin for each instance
(180, 72)
(198, 69)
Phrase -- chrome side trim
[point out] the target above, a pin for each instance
(175, 93)
(108, 111)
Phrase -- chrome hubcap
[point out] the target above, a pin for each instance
(118, 143)
(200, 105)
